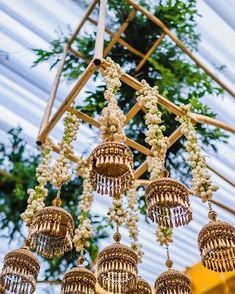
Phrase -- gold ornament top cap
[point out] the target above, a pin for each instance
(80, 272)
(141, 287)
(215, 229)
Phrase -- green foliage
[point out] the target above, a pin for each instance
(20, 164)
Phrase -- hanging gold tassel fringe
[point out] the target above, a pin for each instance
(51, 232)
(168, 203)
(172, 282)
(111, 169)
(216, 243)
(20, 271)
(78, 280)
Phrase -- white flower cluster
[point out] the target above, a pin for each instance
(116, 212)
(112, 119)
(84, 231)
(201, 182)
(132, 221)
(62, 169)
(154, 136)
(38, 194)
(164, 235)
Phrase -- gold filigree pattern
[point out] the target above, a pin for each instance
(168, 203)
(141, 287)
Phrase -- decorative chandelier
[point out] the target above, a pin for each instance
(51, 231)
(117, 267)
(216, 243)
(111, 168)
(168, 202)
(20, 271)
(141, 287)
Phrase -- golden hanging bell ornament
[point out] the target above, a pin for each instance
(172, 281)
(51, 232)
(141, 287)
(111, 169)
(216, 243)
(20, 271)
(168, 203)
(78, 280)
(117, 267)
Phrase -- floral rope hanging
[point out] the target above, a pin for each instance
(216, 240)
(38, 194)
(79, 279)
(51, 231)
(112, 161)
(201, 182)
(132, 221)
(167, 199)
(84, 231)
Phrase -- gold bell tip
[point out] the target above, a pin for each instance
(168, 203)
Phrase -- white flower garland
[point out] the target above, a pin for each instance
(164, 235)
(201, 182)
(62, 169)
(154, 136)
(84, 231)
(116, 212)
(112, 120)
(132, 221)
(38, 194)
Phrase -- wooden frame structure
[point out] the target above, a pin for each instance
(98, 61)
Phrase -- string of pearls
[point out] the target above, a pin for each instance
(154, 136)
(62, 168)
(132, 221)
(84, 231)
(38, 194)
(201, 181)
(112, 119)
(164, 235)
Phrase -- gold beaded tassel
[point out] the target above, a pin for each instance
(20, 271)
(51, 231)
(172, 281)
(79, 279)
(216, 243)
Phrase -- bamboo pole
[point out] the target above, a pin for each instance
(69, 99)
(232, 183)
(88, 12)
(99, 43)
(180, 44)
(53, 91)
(120, 40)
(133, 111)
(141, 170)
(79, 54)
(121, 30)
(150, 52)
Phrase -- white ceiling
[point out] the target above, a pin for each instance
(24, 90)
